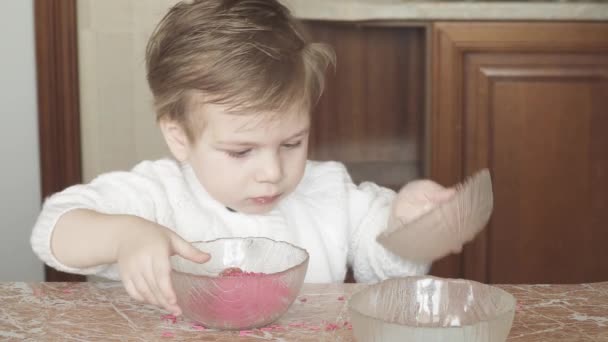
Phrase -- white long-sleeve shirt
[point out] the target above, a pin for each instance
(327, 214)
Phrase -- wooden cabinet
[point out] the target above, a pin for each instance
(530, 102)
(371, 115)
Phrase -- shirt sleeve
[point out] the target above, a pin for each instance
(369, 207)
(130, 193)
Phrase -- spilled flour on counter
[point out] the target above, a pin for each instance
(601, 321)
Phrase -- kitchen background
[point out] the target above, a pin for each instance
(427, 91)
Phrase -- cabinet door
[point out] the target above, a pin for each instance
(372, 111)
(530, 102)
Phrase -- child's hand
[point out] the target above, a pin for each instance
(143, 259)
(417, 198)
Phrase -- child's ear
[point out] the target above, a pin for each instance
(176, 138)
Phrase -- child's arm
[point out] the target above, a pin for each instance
(141, 248)
(370, 208)
(115, 226)
(374, 209)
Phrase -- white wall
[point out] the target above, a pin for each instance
(116, 111)
(19, 166)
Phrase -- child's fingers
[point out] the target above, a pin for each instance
(144, 290)
(150, 275)
(164, 284)
(131, 290)
(159, 278)
(186, 250)
(164, 281)
(163, 271)
(442, 195)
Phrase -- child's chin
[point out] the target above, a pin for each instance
(257, 209)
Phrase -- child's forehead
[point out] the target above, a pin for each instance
(220, 117)
(225, 128)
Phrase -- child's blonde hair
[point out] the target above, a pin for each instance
(248, 54)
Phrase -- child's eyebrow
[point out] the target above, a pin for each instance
(300, 133)
(253, 143)
(237, 143)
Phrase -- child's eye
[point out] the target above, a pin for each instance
(293, 145)
(239, 154)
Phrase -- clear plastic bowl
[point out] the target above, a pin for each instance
(431, 309)
(271, 278)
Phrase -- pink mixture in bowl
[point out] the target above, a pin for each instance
(238, 296)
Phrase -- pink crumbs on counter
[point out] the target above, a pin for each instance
(167, 334)
(38, 292)
(303, 300)
(245, 332)
(69, 288)
(341, 298)
(170, 318)
(331, 327)
(324, 326)
(198, 327)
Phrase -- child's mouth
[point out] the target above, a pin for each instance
(265, 199)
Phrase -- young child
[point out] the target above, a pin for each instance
(234, 82)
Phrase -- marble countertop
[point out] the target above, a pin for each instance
(429, 10)
(104, 312)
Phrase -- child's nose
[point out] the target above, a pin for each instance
(270, 170)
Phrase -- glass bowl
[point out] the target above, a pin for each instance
(430, 309)
(443, 228)
(247, 283)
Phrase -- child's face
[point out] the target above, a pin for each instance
(249, 162)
